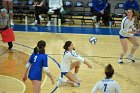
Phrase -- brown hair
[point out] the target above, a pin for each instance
(109, 71)
(136, 16)
(67, 44)
(40, 47)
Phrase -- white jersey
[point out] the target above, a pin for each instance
(67, 60)
(107, 86)
(55, 4)
(127, 25)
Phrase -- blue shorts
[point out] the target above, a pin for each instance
(122, 37)
(63, 74)
(35, 74)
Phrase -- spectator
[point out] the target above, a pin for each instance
(40, 6)
(8, 4)
(55, 7)
(99, 10)
(131, 4)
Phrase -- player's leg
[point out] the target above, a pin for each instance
(75, 65)
(10, 44)
(124, 47)
(135, 43)
(36, 86)
(72, 80)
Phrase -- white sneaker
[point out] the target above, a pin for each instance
(94, 18)
(40, 17)
(11, 22)
(131, 58)
(120, 61)
(34, 23)
(49, 23)
(96, 25)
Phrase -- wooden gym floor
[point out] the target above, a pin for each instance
(107, 50)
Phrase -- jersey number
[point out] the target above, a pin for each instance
(35, 58)
(105, 86)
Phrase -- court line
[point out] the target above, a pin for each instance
(24, 87)
(3, 53)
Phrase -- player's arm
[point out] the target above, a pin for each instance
(95, 88)
(46, 69)
(26, 71)
(28, 64)
(79, 58)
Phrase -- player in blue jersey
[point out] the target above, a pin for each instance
(37, 61)
(107, 85)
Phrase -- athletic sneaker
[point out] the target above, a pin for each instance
(34, 23)
(40, 17)
(131, 58)
(94, 18)
(96, 25)
(11, 22)
(120, 61)
(61, 81)
(49, 23)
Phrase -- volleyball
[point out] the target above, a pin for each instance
(93, 40)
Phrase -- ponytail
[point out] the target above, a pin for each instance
(36, 50)
(40, 47)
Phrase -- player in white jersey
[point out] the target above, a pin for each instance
(107, 85)
(8, 4)
(127, 32)
(68, 64)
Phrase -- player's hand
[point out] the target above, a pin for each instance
(89, 66)
(52, 81)
(24, 78)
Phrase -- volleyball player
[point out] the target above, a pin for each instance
(107, 85)
(37, 61)
(127, 32)
(68, 64)
(8, 4)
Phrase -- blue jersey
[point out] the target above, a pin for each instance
(131, 5)
(38, 61)
(99, 5)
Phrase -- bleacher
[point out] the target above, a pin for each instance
(78, 10)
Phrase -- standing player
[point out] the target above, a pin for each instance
(128, 29)
(68, 64)
(107, 85)
(37, 61)
(8, 4)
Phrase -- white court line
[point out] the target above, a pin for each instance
(44, 81)
(24, 87)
